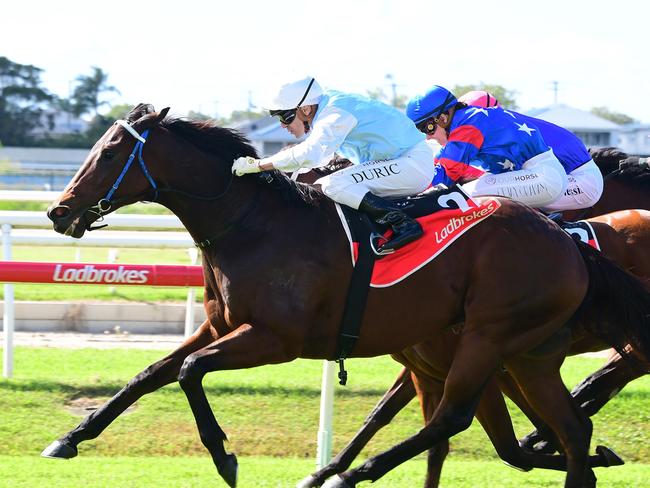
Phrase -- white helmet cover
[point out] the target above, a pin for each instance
(294, 94)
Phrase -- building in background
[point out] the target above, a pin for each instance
(57, 124)
(266, 134)
(635, 139)
(594, 131)
(38, 168)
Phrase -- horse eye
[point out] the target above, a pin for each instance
(107, 154)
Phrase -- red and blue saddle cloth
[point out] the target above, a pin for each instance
(445, 215)
(582, 231)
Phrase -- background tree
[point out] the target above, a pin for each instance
(506, 97)
(396, 100)
(616, 117)
(22, 102)
(243, 115)
(87, 94)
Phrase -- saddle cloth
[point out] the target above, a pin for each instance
(445, 215)
(583, 231)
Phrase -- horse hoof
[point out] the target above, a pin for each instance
(228, 470)
(336, 482)
(59, 450)
(541, 447)
(309, 482)
(518, 468)
(609, 457)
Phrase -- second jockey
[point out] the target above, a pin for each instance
(490, 151)
(390, 157)
(585, 180)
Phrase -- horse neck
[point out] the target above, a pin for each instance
(246, 208)
(195, 172)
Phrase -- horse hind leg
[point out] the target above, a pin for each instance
(154, 377)
(594, 392)
(540, 382)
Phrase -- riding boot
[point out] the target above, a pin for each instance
(405, 229)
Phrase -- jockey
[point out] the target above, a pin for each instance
(585, 180)
(390, 157)
(491, 151)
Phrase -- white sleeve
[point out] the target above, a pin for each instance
(328, 133)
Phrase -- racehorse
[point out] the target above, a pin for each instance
(275, 256)
(624, 237)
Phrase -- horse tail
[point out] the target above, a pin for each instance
(616, 308)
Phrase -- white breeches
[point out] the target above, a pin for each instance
(540, 182)
(584, 188)
(409, 174)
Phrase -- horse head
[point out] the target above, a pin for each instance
(99, 186)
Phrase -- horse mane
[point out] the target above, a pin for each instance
(230, 144)
(608, 160)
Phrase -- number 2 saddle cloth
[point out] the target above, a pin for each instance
(445, 215)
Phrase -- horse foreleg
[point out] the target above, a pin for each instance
(155, 376)
(394, 400)
(429, 394)
(245, 347)
(473, 363)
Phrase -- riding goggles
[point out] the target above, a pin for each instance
(285, 116)
(428, 126)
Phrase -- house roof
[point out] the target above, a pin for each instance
(267, 129)
(573, 119)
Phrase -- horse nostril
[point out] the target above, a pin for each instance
(58, 212)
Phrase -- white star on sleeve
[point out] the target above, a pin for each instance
(476, 110)
(524, 128)
(509, 113)
(507, 165)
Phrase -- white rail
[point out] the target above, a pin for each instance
(39, 219)
(102, 238)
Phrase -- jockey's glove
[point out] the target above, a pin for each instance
(246, 165)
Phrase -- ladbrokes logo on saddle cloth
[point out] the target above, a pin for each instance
(444, 217)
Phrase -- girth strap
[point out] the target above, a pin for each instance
(355, 304)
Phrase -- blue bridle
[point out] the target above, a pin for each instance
(105, 204)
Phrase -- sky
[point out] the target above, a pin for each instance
(217, 56)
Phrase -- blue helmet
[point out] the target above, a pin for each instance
(434, 102)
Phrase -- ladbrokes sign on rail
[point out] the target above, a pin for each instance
(91, 274)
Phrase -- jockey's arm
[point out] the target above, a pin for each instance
(459, 155)
(328, 133)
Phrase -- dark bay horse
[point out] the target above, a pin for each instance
(275, 257)
(625, 238)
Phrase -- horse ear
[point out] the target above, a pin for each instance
(153, 119)
(162, 114)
